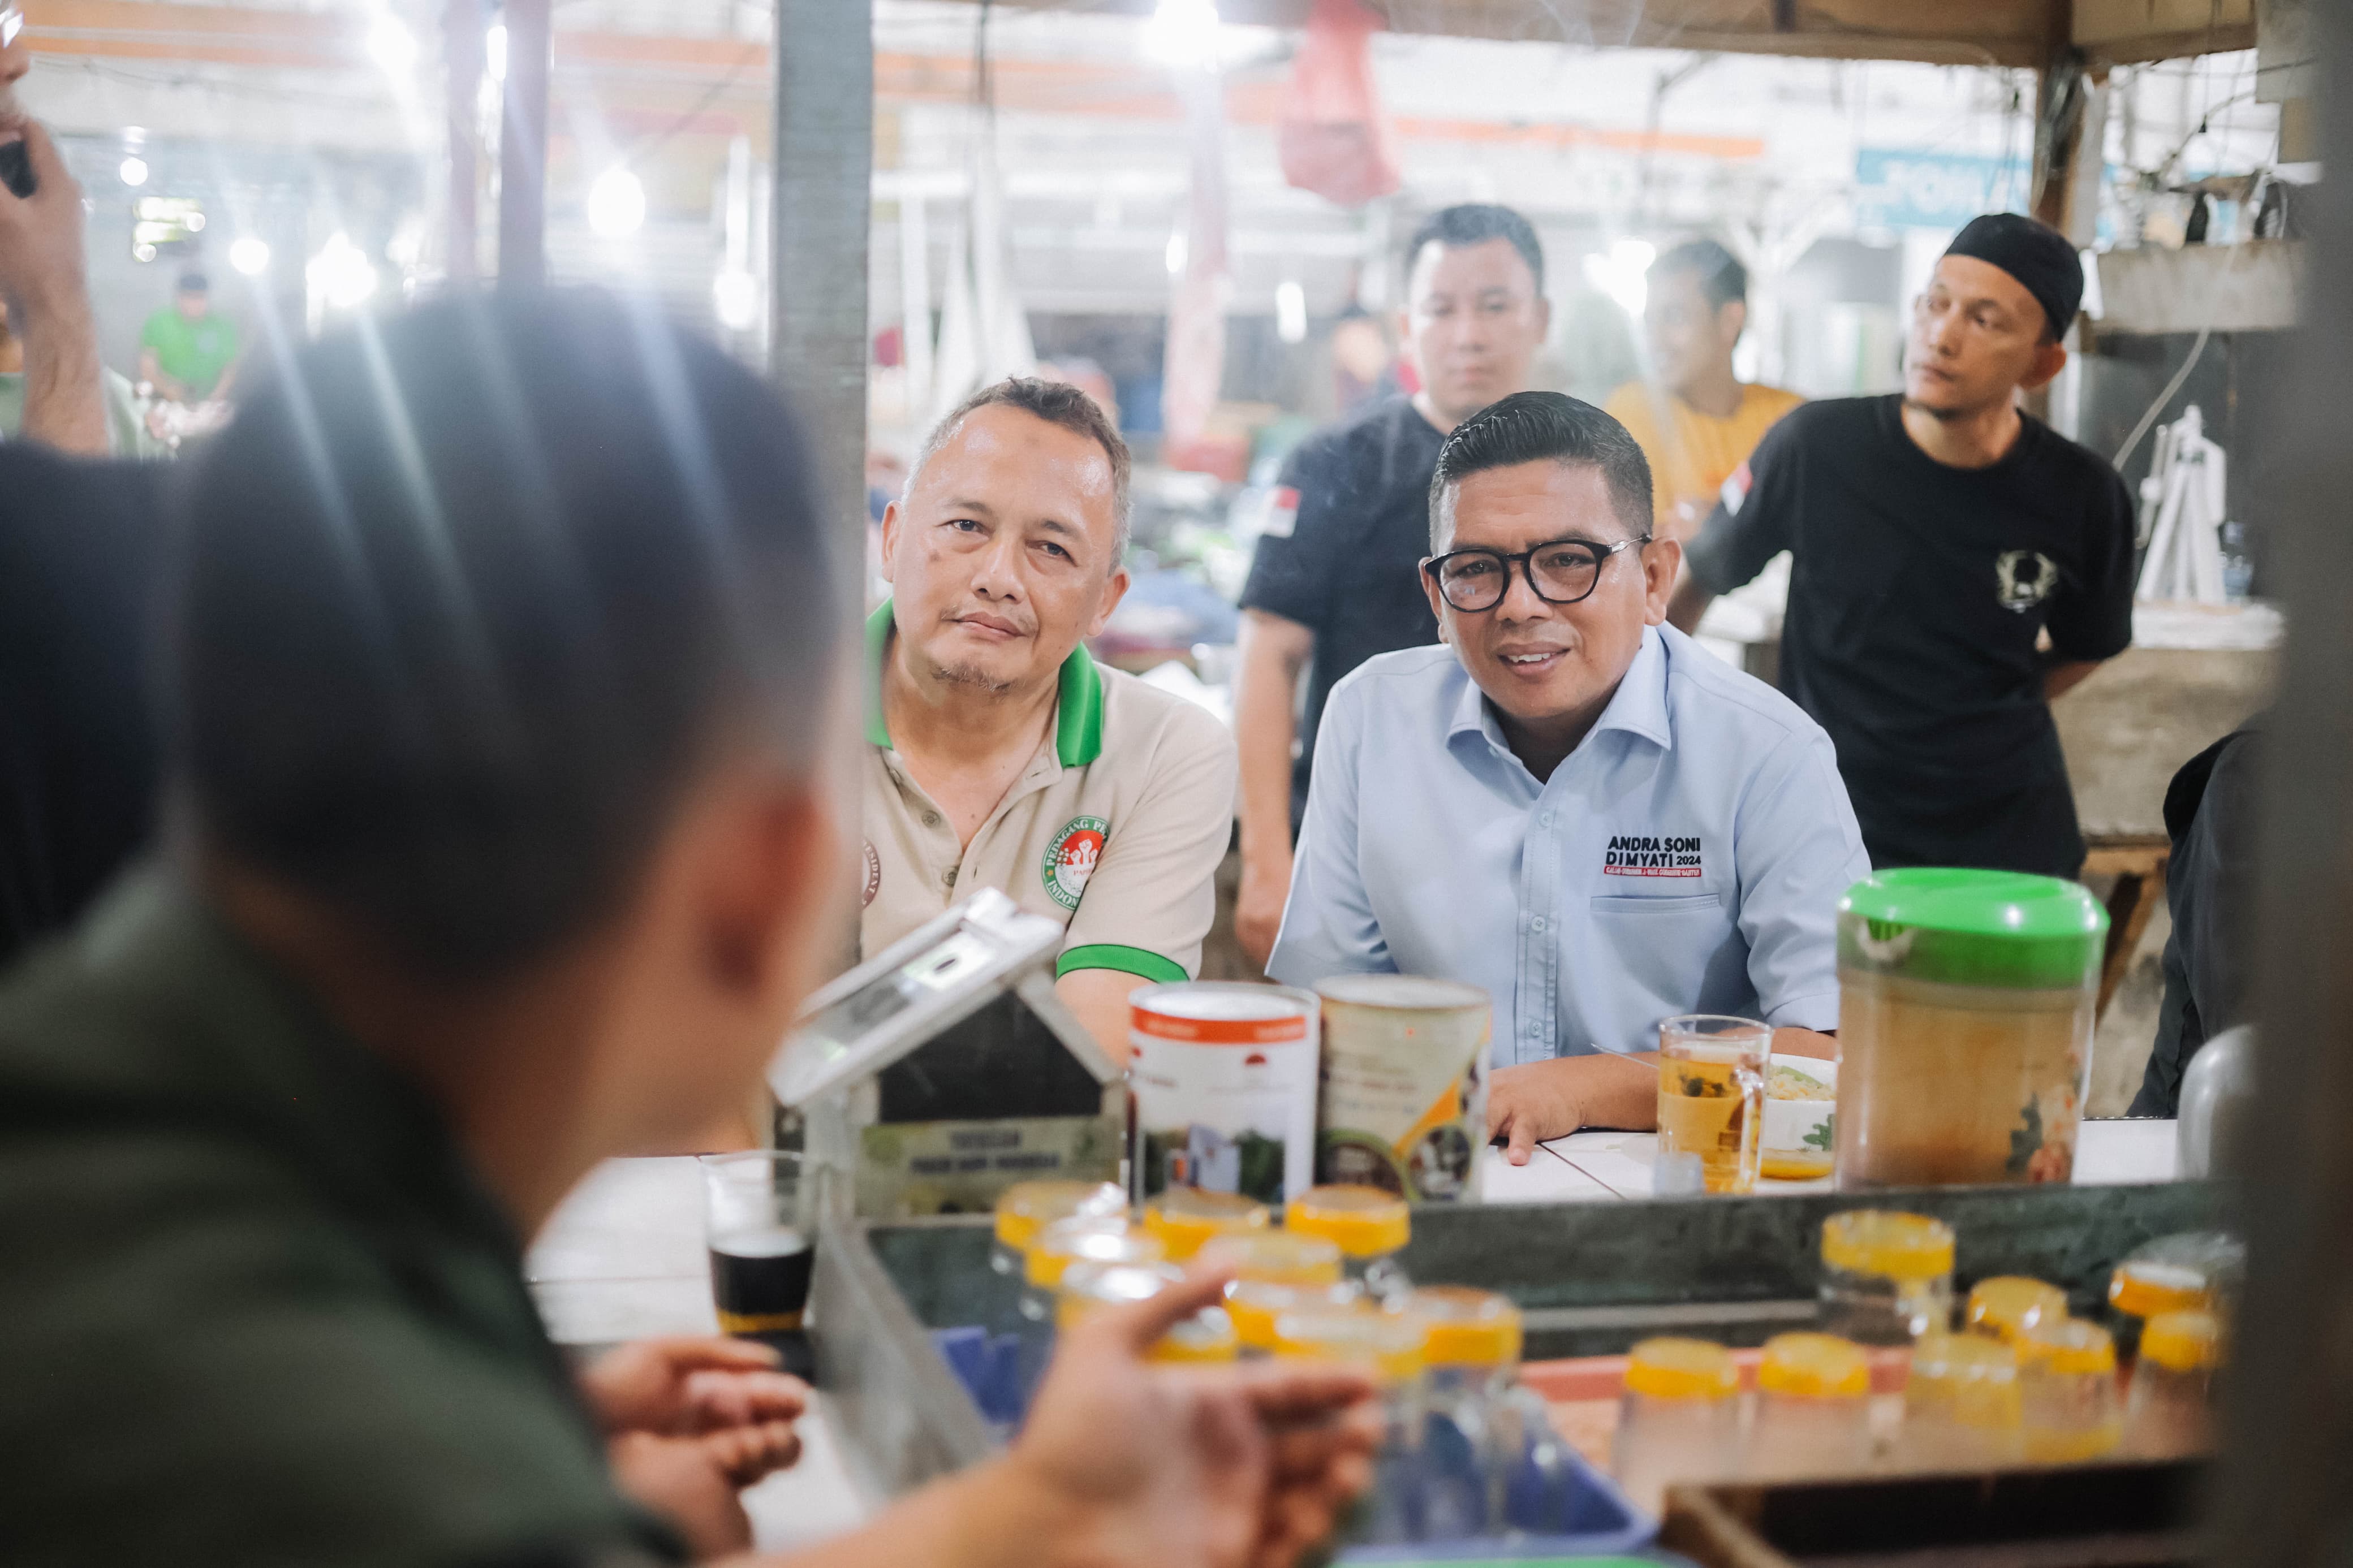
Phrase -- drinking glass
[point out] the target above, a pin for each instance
(1711, 1103)
(762, 1245)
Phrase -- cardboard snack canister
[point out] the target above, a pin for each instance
(1224, 1080)
(1404, 1081)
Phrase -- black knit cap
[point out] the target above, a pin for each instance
(2035, 254)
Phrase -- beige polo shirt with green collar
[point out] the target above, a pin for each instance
(1114, 829)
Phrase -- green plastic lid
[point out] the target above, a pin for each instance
(1973, 928)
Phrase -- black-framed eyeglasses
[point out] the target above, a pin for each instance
(1561, 571)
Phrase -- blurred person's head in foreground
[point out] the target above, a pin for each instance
(1008, 545)
(15, 59)
(194, 295)
(498, 657)
(1475, 312)
(1695, 308)
(1989, 323)
(499, 673)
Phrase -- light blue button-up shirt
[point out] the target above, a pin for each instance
(1687, 858)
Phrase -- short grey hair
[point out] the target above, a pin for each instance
(1056, 403)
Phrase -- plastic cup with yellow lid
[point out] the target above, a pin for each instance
(2009, 1304)
(1887, 1276)
(1388, 1344)
(1026, 1208)
(1104, 1239)
(2067, 1386)
(1370, 1227)
(1185, 1219)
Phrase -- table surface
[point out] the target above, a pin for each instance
(623, 1258)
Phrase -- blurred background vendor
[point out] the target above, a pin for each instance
(1696, 420)
(1570, 804)
(1335, 581)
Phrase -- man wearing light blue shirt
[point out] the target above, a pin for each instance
(1570, 803)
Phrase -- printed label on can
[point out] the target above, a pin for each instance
(1224, 1079)
(1404, 1086)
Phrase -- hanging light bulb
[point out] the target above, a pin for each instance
(1183, 33)
(616, 204)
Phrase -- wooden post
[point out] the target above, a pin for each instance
(522, 148)
(2287, 1444)
(822, 213)
(462, 51)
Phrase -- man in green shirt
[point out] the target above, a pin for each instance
(499, 698)
(186, 351)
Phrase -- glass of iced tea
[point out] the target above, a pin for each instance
(1712, 1073)
(761, 1245)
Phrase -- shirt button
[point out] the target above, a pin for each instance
(1546, 820)
(931, 819)
(1536, 924)
(951, 876)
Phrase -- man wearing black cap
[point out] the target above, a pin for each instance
(1956, 564)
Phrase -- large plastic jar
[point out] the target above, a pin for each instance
(1680, 1420)
(1813, 1409)
(1966, 1001)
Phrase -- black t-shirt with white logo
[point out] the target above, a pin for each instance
(1917, 593)
(1343, 549)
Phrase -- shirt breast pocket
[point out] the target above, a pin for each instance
(1680, 950)
(1609, 904)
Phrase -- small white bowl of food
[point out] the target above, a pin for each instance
(1800, 1130)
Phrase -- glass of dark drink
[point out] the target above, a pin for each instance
(761, 1245)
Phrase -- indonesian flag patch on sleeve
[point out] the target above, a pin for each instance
(1736, 489)
(1281, 512)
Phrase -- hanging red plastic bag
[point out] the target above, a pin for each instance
(1333, 137)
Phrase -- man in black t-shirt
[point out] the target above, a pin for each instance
(1955, 565)
(79, 544)
(1337, 578)
(2210, 888)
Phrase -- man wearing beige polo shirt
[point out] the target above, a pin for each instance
(1000, 753)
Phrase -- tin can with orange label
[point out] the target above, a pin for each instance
(1404, 1085)
(1224, 1080)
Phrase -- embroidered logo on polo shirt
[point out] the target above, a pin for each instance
(873, 872)
(2024, 579)
(1070, 858)
(1632, 854)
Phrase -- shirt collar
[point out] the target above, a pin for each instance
(1639, 706)
(1077, 703)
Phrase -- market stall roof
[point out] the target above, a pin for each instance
(1940, 32)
